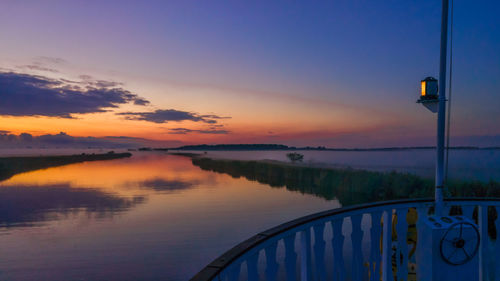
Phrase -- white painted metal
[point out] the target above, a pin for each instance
(290, 257)
(435, 267)
(305, 256)
(441, 110)
(496, 248)
(375, 249)
(338, 252)
(483, 246)
(402, 244)
(375, 261)
(357, 255)
(319, 252)
(271, 264)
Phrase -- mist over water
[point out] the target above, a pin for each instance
(156, 216)
(482, 165)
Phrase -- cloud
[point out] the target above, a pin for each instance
(89, 80)
(38, 67)
(183, 131)
(63, 140)
(32, 95)
(167, 115)
(53, 60)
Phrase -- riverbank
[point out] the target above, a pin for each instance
(9, 166)
(349, 186)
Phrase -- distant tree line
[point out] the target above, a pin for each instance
(235, 147)
(10, 166)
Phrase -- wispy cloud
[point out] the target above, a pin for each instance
(52, 60)
(183, 131)
(33, 95)
(38, 67)
(167, 115)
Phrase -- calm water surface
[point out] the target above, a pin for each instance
(149, 217)
(158, 217)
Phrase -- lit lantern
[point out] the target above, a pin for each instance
(429, 89)
(429, 93)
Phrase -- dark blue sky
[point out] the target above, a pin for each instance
(364, 58)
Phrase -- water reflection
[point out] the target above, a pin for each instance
(30, 205)
(347, 185)
(164, 218)
(162, 185)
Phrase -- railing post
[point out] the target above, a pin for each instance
(422, 270)
(290, 257)
(338, 253)
(483, 246)
(402, 232)
(319, 251)
(375, 249)
(305, 255)
(233, 273)
(357, 255)
(252, 270)
(386, 247)
(271, 264)
(496, 248)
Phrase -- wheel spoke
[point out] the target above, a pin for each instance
(461, 226)
(452, 254)
(467, 254)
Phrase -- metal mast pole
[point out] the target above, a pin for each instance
(441, 111)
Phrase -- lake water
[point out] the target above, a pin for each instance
(159, 217)
(148, 217)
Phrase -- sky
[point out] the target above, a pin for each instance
(305, 73)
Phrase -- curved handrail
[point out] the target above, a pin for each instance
(220, 263)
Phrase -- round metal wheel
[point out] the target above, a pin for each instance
(460, 243)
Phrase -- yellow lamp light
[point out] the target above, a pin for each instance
(429, 93)
(429, 89)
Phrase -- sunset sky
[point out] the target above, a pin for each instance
(331, 73)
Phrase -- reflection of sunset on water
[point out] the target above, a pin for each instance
(123, 176)
(105, 218)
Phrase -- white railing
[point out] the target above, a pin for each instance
(364, 242)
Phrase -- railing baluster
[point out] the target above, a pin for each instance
(319, 251)
(357, 254)
(386, 247)
(338, 245)
(305, 255)
(496, 247)
(468, 211)
(483, 245)
(271, 263)
(290, 257)
(233, 273)
(402, 250)
(375, 246)
(253, 273)
(381, 258)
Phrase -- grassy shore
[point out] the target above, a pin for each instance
(9, 166)
(349, 186)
